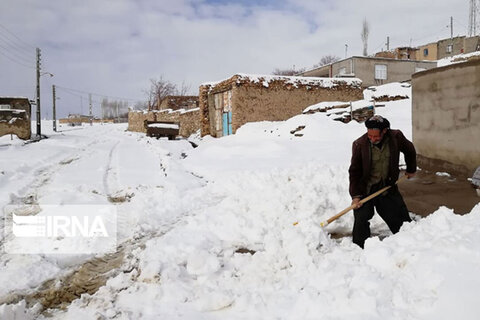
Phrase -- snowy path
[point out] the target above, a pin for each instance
(208, 233)
(117, 168)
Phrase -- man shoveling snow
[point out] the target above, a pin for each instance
(374, 165)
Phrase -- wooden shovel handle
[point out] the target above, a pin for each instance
(346, 210)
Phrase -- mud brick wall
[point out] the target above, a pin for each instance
(277, 101)
(189, 120)
(136, 120)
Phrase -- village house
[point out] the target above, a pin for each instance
(446, 117)
(373, 71)
(227, 105)
(15, 114)
(400, 53)
(448, 47)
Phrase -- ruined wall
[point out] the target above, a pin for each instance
(446, 117)
(15, 117)
(189, 120)
(178, 102)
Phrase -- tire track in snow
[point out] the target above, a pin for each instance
(88, 277)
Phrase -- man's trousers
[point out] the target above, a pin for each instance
(391, 208)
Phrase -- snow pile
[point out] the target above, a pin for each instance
(389, 90)
(424, 272)
(458, 58)
(230, 230)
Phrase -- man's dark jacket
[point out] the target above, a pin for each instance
(360, 165)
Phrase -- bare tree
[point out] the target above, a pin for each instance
(140, 105)
(160, 89)
(184, 89)
(327, 59)
(287, 72)
(365, 31)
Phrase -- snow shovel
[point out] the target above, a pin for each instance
(346, 210)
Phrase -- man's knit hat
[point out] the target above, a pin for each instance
(377, 122)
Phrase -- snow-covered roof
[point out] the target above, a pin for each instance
(12, 97)
(457, 59)
(181, 111)
(265, 80)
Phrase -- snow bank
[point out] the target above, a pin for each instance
(217, 237)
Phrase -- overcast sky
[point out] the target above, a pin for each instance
(114, 47)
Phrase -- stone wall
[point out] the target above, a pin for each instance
(275, 99)
(15, 117)
(189, 120)
(446, 117)
(203, 105)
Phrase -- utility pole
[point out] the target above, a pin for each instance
(54, 109)
(451, 27)
(90, 113)
(346, 49)
(472, 18)
(39, 126)
(388, 43)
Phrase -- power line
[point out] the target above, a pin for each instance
(18, 57)
(15, 46)
(97, 94)
(16, 61)
(97, 103)
(26, 44)
(16, 50)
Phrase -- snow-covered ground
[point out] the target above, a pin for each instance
(210, 233)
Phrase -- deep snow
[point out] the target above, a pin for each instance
(217, 229)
